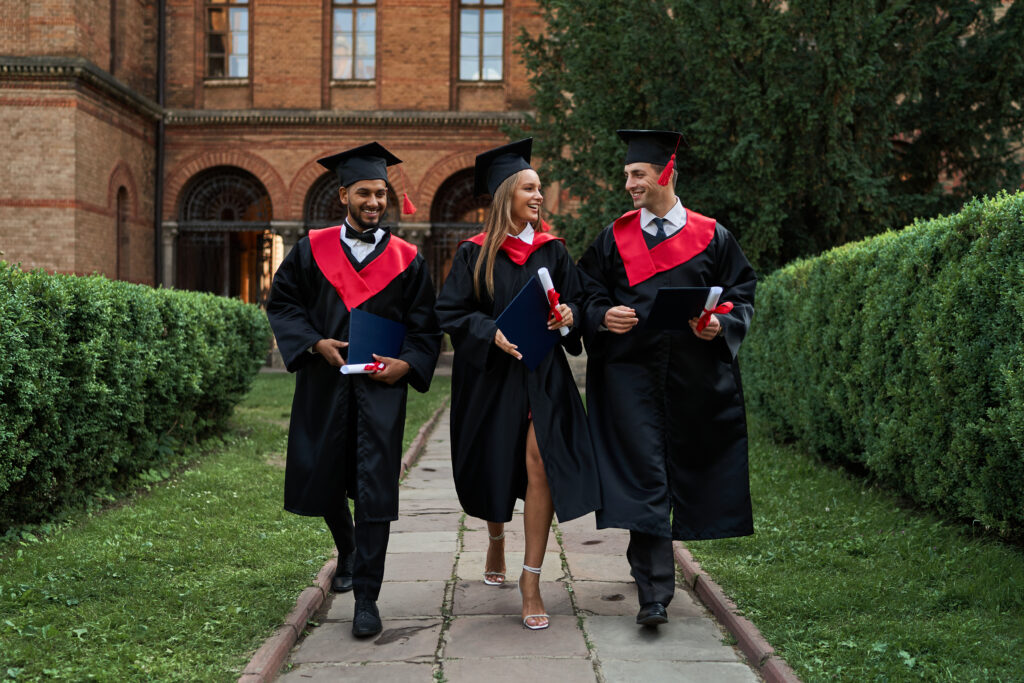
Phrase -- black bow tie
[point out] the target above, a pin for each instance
(365, 236)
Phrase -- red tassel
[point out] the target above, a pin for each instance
(408, 208)
(666, 175)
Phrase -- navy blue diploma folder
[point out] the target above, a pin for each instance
(370, 334)
(674, 306)
(524, 322)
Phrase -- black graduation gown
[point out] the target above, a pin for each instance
(493, 394)
(322, 468)
(666, 409)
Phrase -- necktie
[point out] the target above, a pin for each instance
(660, 223)
(364, 236)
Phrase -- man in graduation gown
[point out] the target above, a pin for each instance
(665, 407)
(345, 436)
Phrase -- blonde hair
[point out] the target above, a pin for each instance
(496, 227)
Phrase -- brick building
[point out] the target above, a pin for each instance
(175, 142)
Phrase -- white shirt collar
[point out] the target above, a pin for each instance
(675, 219)
(526, 235)
(360, 250)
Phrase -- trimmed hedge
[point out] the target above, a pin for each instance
(904, 354)
(101, 380)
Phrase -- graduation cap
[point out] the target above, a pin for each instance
(652, 147)
(495, 165)
(366, 162)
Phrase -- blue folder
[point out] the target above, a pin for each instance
(674, 306)
(524, 322)
(370, 334)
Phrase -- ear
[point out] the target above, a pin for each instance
(343, 195)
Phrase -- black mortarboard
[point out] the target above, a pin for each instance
(652, 147)
(495, 165)
(367, 162)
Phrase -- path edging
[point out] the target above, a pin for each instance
(759, 652)
(267, 661)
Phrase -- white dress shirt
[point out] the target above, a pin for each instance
(360, 249)
(675, 219)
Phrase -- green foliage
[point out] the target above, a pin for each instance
(811, 123)
(101, 380)
(904, 354)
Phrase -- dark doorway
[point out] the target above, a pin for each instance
(456, 214)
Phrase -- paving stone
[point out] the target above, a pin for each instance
(475, 597)
(402, 640)
(471, 565)
(681, 639)
(595, 567)
(446, 521)
(478, 540)
(418, 567)
(504, 636)
(442, 495)
(615, 598)
(427, 507)
(423, 542)
(392, 672)
(511, 670)
(398, 600)
(605, 541)
(617, 671)
(583, 524)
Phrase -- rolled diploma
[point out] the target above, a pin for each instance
(362, 368)
(712, 301)
(545, 282)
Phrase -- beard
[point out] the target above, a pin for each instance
(363, 225)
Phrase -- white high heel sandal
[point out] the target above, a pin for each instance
(487, 572)
(533, 570)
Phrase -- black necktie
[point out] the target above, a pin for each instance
(364, 236)
(660, 223)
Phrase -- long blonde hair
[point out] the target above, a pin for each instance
(496, 227)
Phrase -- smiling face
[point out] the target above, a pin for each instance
(643, 188)
(527, 199)
(365, 201)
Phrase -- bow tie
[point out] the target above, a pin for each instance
(365, 236)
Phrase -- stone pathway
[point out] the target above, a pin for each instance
(441, 623)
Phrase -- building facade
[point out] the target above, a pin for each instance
(175, 142)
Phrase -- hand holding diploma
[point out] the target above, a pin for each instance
(561, 315)
(362, 368)
(394, 369)
(708, 326)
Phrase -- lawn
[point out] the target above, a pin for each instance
(183, 580)
(849, 584)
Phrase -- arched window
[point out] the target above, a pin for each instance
(456, 214)
(122, 248)
(323, 207)
(224, 240)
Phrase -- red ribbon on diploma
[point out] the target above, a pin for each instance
(553, 303)
(377, 366)
(705, 317)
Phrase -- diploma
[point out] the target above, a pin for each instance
(711, 306)
(549, 290)
(363, 368)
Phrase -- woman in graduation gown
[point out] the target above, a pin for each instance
(515, 433)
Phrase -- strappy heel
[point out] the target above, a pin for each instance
(495, 574)
(526, 624)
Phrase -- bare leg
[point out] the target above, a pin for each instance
(494, 565)
(537, 514)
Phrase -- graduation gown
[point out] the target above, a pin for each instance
(345, 434)
(666, 408)
(493, 394)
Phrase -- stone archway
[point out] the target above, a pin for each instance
(455, 215)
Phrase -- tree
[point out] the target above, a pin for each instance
(810, 123)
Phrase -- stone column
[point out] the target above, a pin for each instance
(415, 233)
(170, 240)
(290, 232)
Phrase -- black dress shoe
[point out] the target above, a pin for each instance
(342, 581)
(366, 621)
(652, 614)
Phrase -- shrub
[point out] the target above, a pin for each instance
(99, 380)
(904, 354)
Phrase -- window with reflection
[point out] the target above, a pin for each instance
(354, 40)
(227, 38)
(480, 40)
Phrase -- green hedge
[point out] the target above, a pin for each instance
(904, 354)
(101, 380)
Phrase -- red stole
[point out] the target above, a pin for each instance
(642, 263)
(354, 287)
(517, 249)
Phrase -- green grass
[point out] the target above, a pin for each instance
(849, 585)
(184, 580)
